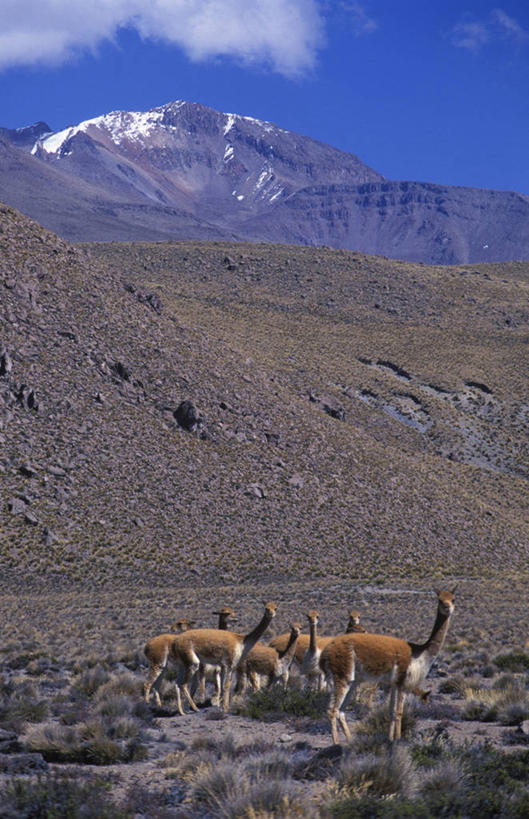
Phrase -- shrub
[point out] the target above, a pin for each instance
(124, 728)
(228, 746)
(21, 703)
(269, 765)
(240, 790)
(90, 680)
(125, 684)
(114, 705)
(446, 777)
(371, 807)
(434, 746)
(276, 701)
(472, 781)
(388, 774)
(508, 704)
(84, 743)
(59, 797)
(454, 685)
(372, 732)
(513, 661)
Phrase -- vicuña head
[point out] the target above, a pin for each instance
(354, 623)
(225, 615)
(183, 624)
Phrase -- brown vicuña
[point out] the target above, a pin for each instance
(353, 657)
(157, 651)
(216, 647)
(280, 642)
(354, 627)
(212, 673)
(265, 663)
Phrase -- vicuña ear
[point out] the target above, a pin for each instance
(454, 587)
(437, 591)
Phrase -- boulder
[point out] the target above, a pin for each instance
(187, 416)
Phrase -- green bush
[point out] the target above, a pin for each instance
(277, 701)
(88, 743)
(476, 781)
(59, 797)
(90, 680)
(21, 703)
(515, 661)
(370, 807)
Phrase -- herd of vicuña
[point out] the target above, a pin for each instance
(334, 663)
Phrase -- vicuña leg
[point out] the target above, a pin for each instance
(396, 707)
(226, 686)
(335, 714)
(191, 667)
(401, 698)
(153, 681)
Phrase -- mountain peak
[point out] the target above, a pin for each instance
(183, 170)
(26, 136)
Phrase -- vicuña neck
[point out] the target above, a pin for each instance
(249, 640)
(434, 643)
(290, 648)
(312, 641)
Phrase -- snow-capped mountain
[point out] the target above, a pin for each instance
(183, 170)
(186, 155)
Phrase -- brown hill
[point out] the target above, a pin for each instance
(360, 417)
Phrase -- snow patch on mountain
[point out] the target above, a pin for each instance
(119, 125)
(134, 126)
(230, 122)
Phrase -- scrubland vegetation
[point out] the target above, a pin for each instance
(77, 739)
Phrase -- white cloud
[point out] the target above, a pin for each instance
(351, 14)
(509, 27)
(472, 36)
(476, 34)
(358, 18)
(283, 34)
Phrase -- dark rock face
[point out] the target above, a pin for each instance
(6, 364)
(26, 137)
(415, 221)
(27, 398)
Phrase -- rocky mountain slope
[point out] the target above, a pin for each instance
(185, 171)
(351, 416)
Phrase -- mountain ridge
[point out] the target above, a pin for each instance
(186, 171)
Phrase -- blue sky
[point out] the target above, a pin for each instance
(433, 90)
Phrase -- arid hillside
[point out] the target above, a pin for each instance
(355, 417)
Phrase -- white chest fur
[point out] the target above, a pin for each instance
(417, 670)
